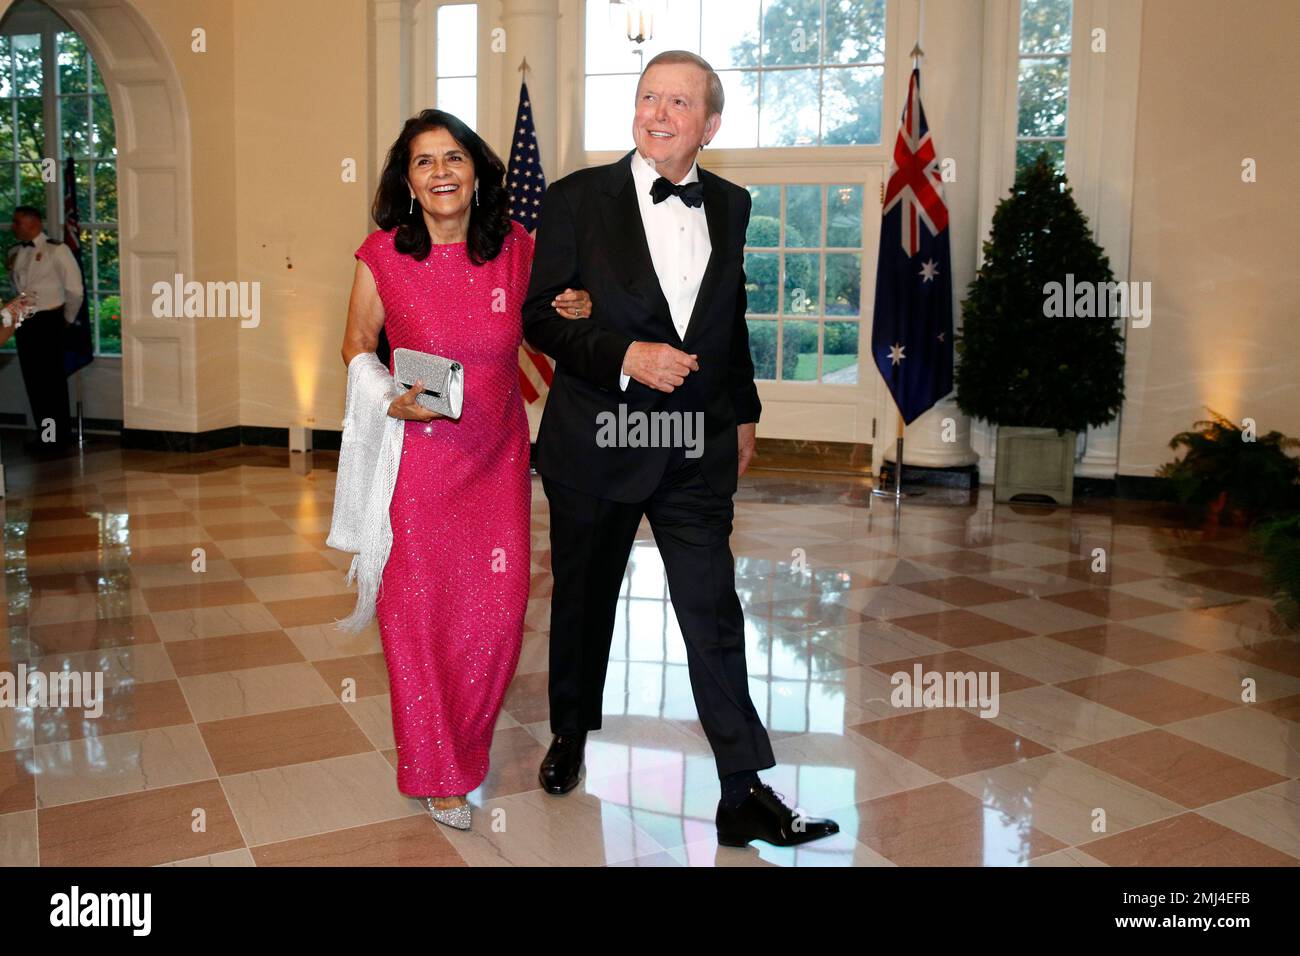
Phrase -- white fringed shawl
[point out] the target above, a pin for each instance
(369, 456)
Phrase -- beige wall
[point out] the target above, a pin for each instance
(281, 98)
(207, 80)
(276, 104)
(1219, 82)
(301, 78)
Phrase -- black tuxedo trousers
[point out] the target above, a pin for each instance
(591, 540)
(40, 356)
(591, 236)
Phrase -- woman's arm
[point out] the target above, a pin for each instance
(365, 315)
(365, 319)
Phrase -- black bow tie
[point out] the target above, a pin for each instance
(690, 193)
(26, 242)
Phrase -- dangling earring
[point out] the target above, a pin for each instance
(411, 209)
(476, 192)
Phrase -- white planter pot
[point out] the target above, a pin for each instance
(1034, 462)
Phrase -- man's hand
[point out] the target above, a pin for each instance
(744, 446)
(573, 304)
(658, 366)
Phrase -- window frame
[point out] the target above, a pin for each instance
(793, 157)
(52, 98)
(821, 250)
(424, 57)
(1069, 57)
(865, 393)
(811, 410)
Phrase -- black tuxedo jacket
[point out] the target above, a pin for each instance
(591, 237)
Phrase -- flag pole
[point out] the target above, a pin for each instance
(81, 426)
(898, 460)
(917, 53)
(897, 494)
(920, 29)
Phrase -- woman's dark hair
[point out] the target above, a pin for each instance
(489, 220)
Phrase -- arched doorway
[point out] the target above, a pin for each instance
(158, 356)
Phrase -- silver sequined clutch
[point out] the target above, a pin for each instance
(444, 380)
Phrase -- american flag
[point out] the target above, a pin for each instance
(78, 348)
(526, 183)
(911, 334)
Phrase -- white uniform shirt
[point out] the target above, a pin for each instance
(50, 270)
(678, 237)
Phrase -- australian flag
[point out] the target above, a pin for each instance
(78, 348)
(911, 335)
(526, 183)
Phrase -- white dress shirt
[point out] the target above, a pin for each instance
(678, 237)
(50, 270)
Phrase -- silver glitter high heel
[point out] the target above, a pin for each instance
(457, 818)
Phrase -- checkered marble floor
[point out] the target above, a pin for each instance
(1147, 714)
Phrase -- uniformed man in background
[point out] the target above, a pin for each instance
(46, 269)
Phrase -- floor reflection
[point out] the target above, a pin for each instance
(201, 588)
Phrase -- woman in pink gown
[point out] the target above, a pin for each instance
(447, 274)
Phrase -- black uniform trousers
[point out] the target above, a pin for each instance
(40, 356)
(591, 540)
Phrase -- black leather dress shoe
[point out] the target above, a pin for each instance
(562, 766)
(764, 817)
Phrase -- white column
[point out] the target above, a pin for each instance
(940, 438)
(531, 27)
(394, 23)
(531, 32)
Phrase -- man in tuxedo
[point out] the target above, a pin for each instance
(658, 243)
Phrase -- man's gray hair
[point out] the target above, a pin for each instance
(715, 97)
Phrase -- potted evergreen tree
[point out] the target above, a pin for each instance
(1033, 359)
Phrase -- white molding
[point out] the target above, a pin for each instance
(997, 110)
(497, 73)
(1101, 139)
(997, 158)
(532, 31)
(153, 138)
(392, 27)
(424, 59)
(1108, 167)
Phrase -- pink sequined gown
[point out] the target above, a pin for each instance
(454, 591)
